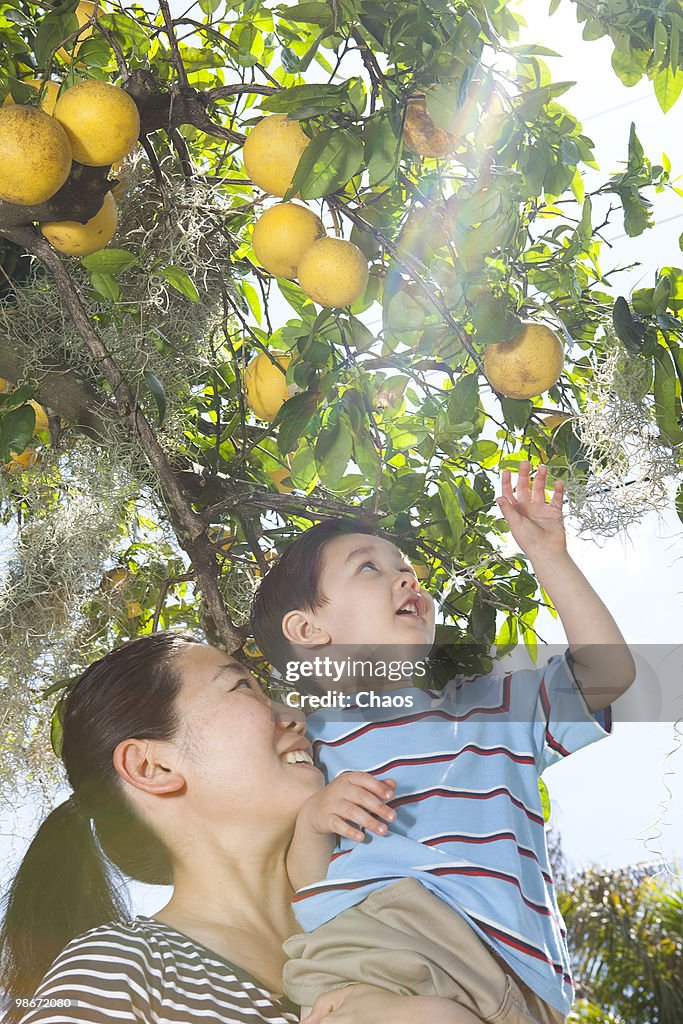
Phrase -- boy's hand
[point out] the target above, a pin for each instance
(536, 524)
(354, 796)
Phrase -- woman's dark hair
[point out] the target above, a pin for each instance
(63, 886)
(293, 581)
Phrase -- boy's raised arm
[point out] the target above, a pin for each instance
(603, 665)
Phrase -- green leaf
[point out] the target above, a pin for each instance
(463, 400)
(327, 163)
(21, 92)
(381, 148)
(452, 510)
(668, 86)
(667, 405)
(405, 492)
(52, 31)
(506, 639)
(181, 281)
(630, 66)
(300, 97)
(293, 419)
(311, 52)
(105, 285)
(482, 618)
(661, 42)
(16, 430)
(679, 502)
(310, 13)
(333, 450)
(626, 328)
(157, 389)
(56, 730)
(493, 320)
(110, 261)
(516, 412)
(545, 800)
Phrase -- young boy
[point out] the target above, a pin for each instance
(447, 891)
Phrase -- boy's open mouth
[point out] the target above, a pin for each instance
(411, 606)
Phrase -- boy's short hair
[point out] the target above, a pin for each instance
(293, 581)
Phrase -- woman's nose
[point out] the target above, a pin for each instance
(288, 718)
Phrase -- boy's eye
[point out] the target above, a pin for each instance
(244, 682)
(371, 565)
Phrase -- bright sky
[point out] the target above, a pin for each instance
(621, 800)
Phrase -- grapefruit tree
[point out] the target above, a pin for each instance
(426, 193)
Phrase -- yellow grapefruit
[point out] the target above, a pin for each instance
(41, 417)
(84, 12)
(24, 460)
(101, 120)
(75, 239)
(282, 235)
(272, 151)
(422, 135)
(35, 155)
(266, 385)
(333, 272)
(527, 364)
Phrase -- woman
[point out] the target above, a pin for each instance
(182, 772)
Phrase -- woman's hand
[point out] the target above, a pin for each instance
(536, 524)
(356, 797)
(365, 1004)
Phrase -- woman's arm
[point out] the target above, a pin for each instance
(365, 1004)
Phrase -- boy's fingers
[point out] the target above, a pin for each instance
(506, 485)
(363, 780)
(342, 828)
(538, 489)
(359, 816)
(558, 494)
(523, 489)
(369, 802)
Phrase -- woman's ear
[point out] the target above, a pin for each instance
(143, 765)
(301, 628)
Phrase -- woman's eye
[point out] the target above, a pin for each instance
(243, 682)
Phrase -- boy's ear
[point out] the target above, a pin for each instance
(300, 628)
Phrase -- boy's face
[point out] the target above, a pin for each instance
(373, 598)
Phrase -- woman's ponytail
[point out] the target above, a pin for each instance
(61, 889)
(65, 884)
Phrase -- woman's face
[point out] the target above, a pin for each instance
(233, 743)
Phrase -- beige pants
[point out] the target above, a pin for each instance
(405, 939)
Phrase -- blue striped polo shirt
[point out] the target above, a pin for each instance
(469, 821)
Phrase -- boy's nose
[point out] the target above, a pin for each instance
(409, 582)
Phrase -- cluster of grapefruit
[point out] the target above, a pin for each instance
(531, 361)
(289, 239)
(92, 123)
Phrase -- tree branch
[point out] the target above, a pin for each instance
(64, 391)
(188, 526)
